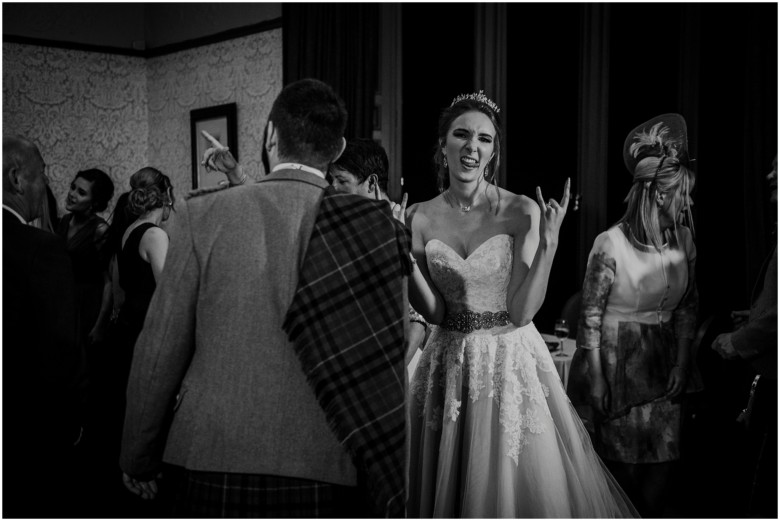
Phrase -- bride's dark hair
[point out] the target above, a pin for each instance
(446, 118)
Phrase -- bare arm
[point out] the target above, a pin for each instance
(153, 249)
(416, 340)
(161, 357)
(599, 277)
(423, 295)
(685, 318)
(536, 241)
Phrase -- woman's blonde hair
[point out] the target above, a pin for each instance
(653, 176)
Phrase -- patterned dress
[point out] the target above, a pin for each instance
(636, 303)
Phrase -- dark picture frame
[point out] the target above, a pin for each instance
(221, 122)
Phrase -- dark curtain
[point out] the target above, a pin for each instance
(593, 123)
(431, 79)
(737, 140)
(338, 44)
(759, 138)
(490, 37)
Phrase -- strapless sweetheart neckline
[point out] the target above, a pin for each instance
(467, 257)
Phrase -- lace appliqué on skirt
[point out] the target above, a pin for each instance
(502, 368)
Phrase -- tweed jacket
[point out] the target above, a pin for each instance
(213, 354)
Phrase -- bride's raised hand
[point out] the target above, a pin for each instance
(552, 214)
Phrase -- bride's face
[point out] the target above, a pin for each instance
(469, 145)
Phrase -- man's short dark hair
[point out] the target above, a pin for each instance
(364, 157)
(309, 118)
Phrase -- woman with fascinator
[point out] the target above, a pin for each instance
(492, 431)
(638, 317)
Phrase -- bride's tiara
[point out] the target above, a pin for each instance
(480, 97)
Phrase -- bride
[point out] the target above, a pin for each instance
(492, 431)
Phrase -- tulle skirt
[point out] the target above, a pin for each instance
(493, 433)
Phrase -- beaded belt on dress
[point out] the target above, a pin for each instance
(468, 321)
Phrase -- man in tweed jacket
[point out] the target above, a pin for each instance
(246, 427)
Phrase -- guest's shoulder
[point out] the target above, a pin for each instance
(609, 241)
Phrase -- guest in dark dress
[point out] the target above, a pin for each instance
(142, 254)
(135, 249)
(84, 233)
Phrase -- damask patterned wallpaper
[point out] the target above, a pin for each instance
(120, 113)
(82, 109)
(247, 71)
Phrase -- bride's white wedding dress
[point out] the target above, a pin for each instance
(492, 431)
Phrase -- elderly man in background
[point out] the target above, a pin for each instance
(42, 362)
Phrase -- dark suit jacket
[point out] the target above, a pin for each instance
(42, 362)
(756, 341)
(213, 354)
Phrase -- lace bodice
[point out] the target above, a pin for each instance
(501, 364)
(478, 282)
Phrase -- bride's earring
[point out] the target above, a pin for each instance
(445, 162)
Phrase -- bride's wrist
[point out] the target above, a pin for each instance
(548, 244)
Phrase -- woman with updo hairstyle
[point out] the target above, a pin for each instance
(136, 248)
(492, 432)
(638, 318)
(143, 246)
(84, 233)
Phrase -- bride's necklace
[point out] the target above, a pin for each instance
(465, 208)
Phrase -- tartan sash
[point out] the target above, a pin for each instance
(347, 325)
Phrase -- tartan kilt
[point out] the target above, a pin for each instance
(202, 494)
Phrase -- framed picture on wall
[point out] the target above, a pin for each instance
(219, 121)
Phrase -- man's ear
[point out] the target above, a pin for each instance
(271, 138)
(343, 146)
(15, 179)
(660, 197)
(373, 183)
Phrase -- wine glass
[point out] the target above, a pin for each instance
(561, 331)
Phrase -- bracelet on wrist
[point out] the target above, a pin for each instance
(240, 181)
(420, 321)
